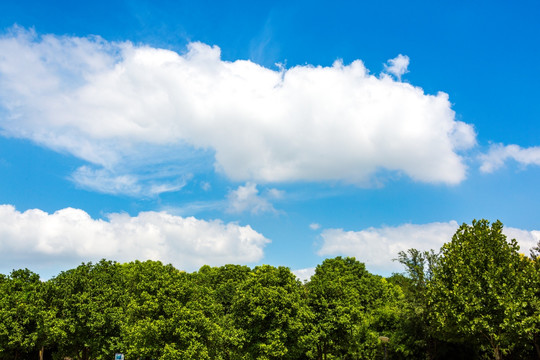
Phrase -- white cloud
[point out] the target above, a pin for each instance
(69, 236)
(498, 154)
(304, 274)
(397, 66)
(526, 239)
(106, 181)
(109, 103)
(314, 226)
(376, 247)
(247, 198)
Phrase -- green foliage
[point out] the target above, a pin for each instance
(531, 324)
(223, 283)
(477, 298)
(269, 313)
(479, 289)
(413, 336)
(88, 304)
(349, 307)
(168, 316)
(21, 314)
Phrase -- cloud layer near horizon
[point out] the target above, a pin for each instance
(70, 236)
(125, 107)
(376, 247)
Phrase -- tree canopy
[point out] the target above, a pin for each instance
(479, 288)
(477, 297)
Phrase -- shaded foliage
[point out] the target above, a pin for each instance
(348, 306)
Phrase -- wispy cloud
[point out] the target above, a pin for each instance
(70, 236)
(106, 181)
(499, 154)
(314, 226)
(123, 107)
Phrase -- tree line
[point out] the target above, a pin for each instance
(476, 298)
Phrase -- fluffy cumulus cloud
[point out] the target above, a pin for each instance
(498, 154)
(124, 107)
(526, 239)
(376, 247)
(397, 66)
(246, 198)
(70, 236)
(304, 274)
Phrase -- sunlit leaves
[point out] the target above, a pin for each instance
(478, 288)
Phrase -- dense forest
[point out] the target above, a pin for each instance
(478, 297)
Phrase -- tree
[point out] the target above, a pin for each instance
(478, 291)
(168, 315)
(414, 336)
(350, 307)
(224, 283)
(533, 320)
(269, 312)
(21, 312)
(88, 302)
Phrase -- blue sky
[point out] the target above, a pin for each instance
(263, 132)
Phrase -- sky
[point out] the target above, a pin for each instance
(263, 132)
